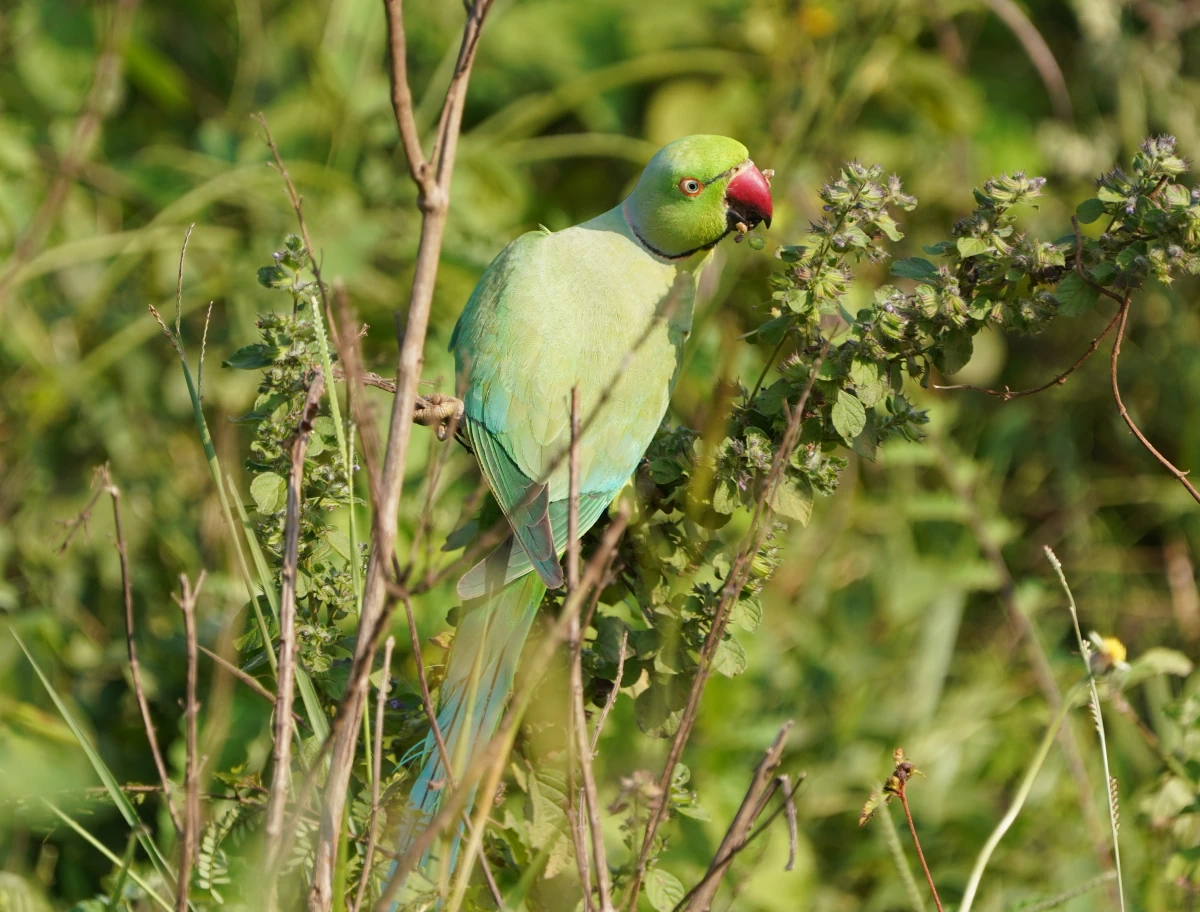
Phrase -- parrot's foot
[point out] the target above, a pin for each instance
(440, 411)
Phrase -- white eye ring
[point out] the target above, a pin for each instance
(689, 186)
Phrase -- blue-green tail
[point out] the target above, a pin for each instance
(479, 678)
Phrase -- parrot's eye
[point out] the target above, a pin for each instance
(689, 186)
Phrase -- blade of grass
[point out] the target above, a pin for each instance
(1019, 799)
(106, 777)
(100, 847)
(118, 887)
(1109, 782)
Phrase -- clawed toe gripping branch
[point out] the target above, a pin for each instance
(439, 411)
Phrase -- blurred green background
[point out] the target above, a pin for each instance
(886, 624)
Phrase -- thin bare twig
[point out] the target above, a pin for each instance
(135, 670)
(191, 780)
(433, 201)
(912, 827)
(373, 828)
(739, 573)
(95, 109)
(1116, 391)
(763, 783)
(612, 694)
(575, 635)
(1061, 379)
(491, 759)
(295, 199)
(282, 772)
(250, 681)
(439, 740)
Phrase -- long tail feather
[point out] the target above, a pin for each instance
(479, 678)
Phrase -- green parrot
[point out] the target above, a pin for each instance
(604, 306)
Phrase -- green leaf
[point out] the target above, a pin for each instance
(969, 247)
(115, 794)
(939, 249)
(663, 890)
(730, 657)
(324, 426)
(1090, 210)
(849, 416)
(793, 498)
(917, 268)
(252, 357)
(954, 351)
(272, 277)
(725, 497)
(659, 708)
(868, 382)
(746, 612)
(664, 470)
(772, 331)
(269, 492)
(1074, 296)
(887, 225)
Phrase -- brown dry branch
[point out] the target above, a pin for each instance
(903, 777)
(433, 180)
(104, 79)
(1007, 394)
(1116, 391)
(103, 484)
(578, 721)
(373, 827)
(250, 681)
(436, 729)
(491, 759)
(282, 749)
(612, 694)
(762, 785)
(189, 844)
(739, 574)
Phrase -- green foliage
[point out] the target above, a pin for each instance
(288, 356)
(882, 620)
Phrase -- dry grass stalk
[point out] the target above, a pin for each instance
(763, 785)
(189, 843)
(282, 736)
(373, 828)
(433, 180)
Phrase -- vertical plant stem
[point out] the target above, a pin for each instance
(892, 837)
(433, 180)
(1035, 766)
(135, 671)
(282, 754)
(760, 526)
(490, 760)
(373, 828)
(1109, 781)
(591, 800)
(191, 780)
(912, 828)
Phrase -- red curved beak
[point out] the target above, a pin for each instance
(749, 197)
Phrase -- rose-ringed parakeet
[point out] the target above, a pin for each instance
(604, 306)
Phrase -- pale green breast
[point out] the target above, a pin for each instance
(588, 306)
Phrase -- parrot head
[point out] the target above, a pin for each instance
(695, 191)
